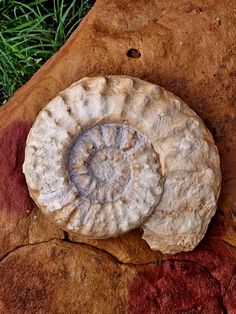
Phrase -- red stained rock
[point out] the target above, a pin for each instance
(216, 257)
(175, 287)
(14, 194)
(230, 296)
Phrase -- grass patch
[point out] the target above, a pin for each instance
(30, 33)
(160, 261)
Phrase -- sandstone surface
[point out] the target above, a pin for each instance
(186, 47)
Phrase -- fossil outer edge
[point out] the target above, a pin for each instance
(110, 154)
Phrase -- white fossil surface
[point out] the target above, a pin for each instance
(110, 154)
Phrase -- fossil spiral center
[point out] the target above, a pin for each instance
(111, 161)
(110, 165)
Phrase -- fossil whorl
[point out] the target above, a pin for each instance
(110, 154)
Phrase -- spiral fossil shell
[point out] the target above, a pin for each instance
(110, 154)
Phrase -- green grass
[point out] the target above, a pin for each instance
(30, 32)
(160, 261)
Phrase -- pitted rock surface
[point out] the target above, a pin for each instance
(206, 83)
(156, 166)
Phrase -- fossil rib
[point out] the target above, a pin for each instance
(110, 154)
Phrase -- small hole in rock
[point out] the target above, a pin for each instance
(133, 53)
(220, 212)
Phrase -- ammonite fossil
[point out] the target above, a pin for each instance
(110, 154)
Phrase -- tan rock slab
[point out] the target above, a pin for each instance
(186, 48)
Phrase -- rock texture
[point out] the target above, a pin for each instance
(60, 277)
(186, 47)
(53, 277)
(98, 181)
(109, 154)
(172, 288)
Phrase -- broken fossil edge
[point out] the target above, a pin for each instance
(113, 153)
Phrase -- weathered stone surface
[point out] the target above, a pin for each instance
(41, 229)
(167, 46)
(99, 169)
(218, 258)
(18, 211)
(229, 297)
(175, 287)
(186, 47)
(79, 199)
(59, 277)
(14, 196)
(128, 248)
(201, 281)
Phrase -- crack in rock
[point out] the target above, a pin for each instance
(117, 261)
